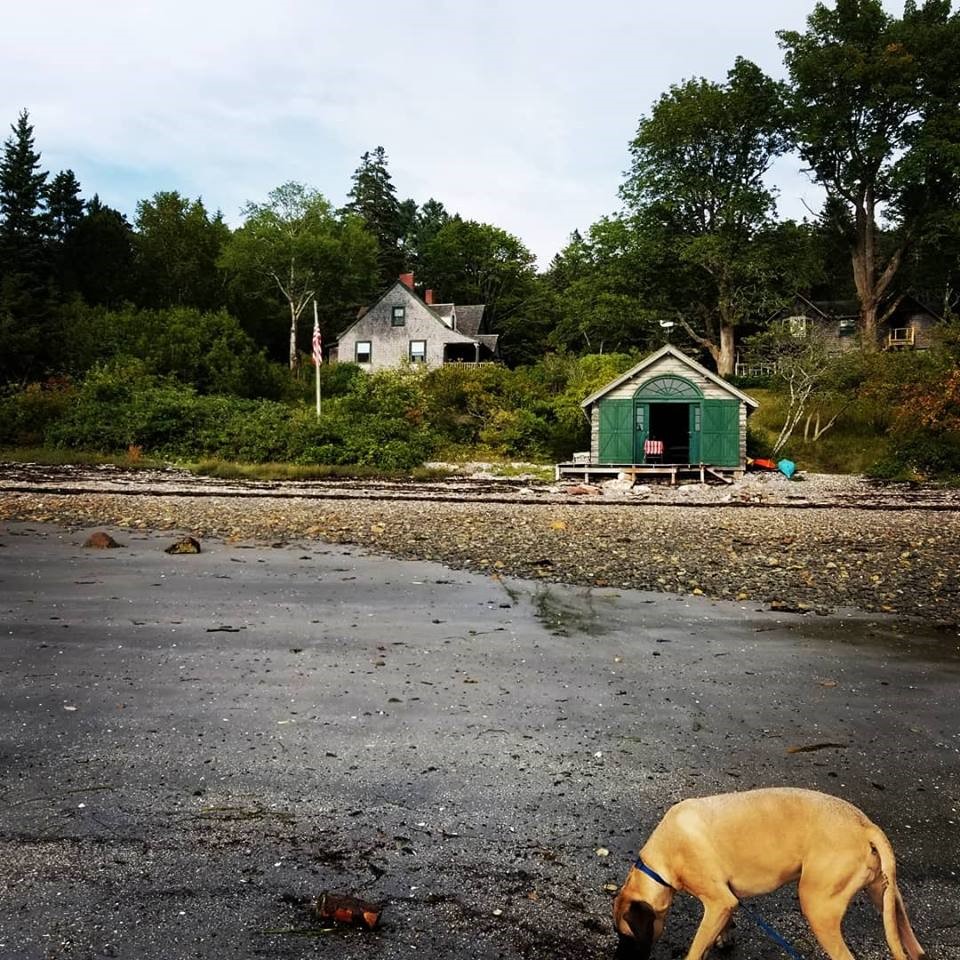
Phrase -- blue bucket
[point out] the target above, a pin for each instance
(787, 467)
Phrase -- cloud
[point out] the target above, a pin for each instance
(516, 113)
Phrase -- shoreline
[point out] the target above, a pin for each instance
(903, 563)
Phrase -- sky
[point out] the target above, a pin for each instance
(512, 112)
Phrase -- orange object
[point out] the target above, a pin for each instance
(342, 908)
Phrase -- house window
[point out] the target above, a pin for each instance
(364, 351)
(418, 351)
(797, 326)
(399, 317)
(848, 326)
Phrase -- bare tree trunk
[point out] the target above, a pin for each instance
(819, 432)
(864, 268)
(872, 288)
(726, 356)
(293, 337)
(800, 389)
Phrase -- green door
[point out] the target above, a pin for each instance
(616, 431)
(641, 430)
(720, 433)
(695, 414)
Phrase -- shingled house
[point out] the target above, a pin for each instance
(402, 327)
(907, 325)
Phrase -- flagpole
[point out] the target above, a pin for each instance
(316, 353)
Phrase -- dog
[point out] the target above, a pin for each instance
(734, 845)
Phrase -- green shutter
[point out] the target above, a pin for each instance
(616, 431)
(720, 433)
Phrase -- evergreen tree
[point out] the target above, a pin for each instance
(64, 205)
(64, 213)
(22, 201)
(25, 309)
(373, 197)
(430, 219)
(100, 256)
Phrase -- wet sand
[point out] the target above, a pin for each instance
(192, 746)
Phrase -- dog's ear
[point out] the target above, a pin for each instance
(639, 917)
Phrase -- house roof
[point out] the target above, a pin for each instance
(669, 350)
(820, 309)
(842, 309)
(438, 310)
(442, 310)
(469, 317)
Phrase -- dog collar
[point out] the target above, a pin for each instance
(643, 868)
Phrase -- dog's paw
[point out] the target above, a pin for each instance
(727, 939)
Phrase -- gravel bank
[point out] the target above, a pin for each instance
(893, 561)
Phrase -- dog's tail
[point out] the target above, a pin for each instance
(896, 925)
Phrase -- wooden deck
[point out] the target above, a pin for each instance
(672, 472)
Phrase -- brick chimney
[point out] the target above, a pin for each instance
(428, 297)
(407, 280)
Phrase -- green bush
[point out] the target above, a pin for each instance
(119, 405)
(919, 457)
(26, 415)
(209, 351)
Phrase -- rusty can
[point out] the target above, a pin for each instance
(342, 908)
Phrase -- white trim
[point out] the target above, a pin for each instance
(669, 350)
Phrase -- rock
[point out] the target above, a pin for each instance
(583, 491)
(100, 541)
(186, 545)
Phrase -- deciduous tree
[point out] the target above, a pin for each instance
(697, 179)
(295, 245)
(178, 246)
(470, 262)
(875, 110)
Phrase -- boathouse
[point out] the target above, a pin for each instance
(667, 416)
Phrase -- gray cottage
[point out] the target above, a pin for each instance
(907, 324)
(401, 327)
(667, 415)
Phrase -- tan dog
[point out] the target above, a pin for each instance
(724, 848)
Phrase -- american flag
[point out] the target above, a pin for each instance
(317, 344)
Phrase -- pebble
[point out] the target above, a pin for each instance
(816, 558)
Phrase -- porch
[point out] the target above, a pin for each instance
(589, 472)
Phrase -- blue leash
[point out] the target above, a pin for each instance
(785, 945)
(765, 927)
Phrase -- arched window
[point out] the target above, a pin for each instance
(661, 389)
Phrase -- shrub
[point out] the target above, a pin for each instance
(26, 415)
(209, 351)
(120, 405)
